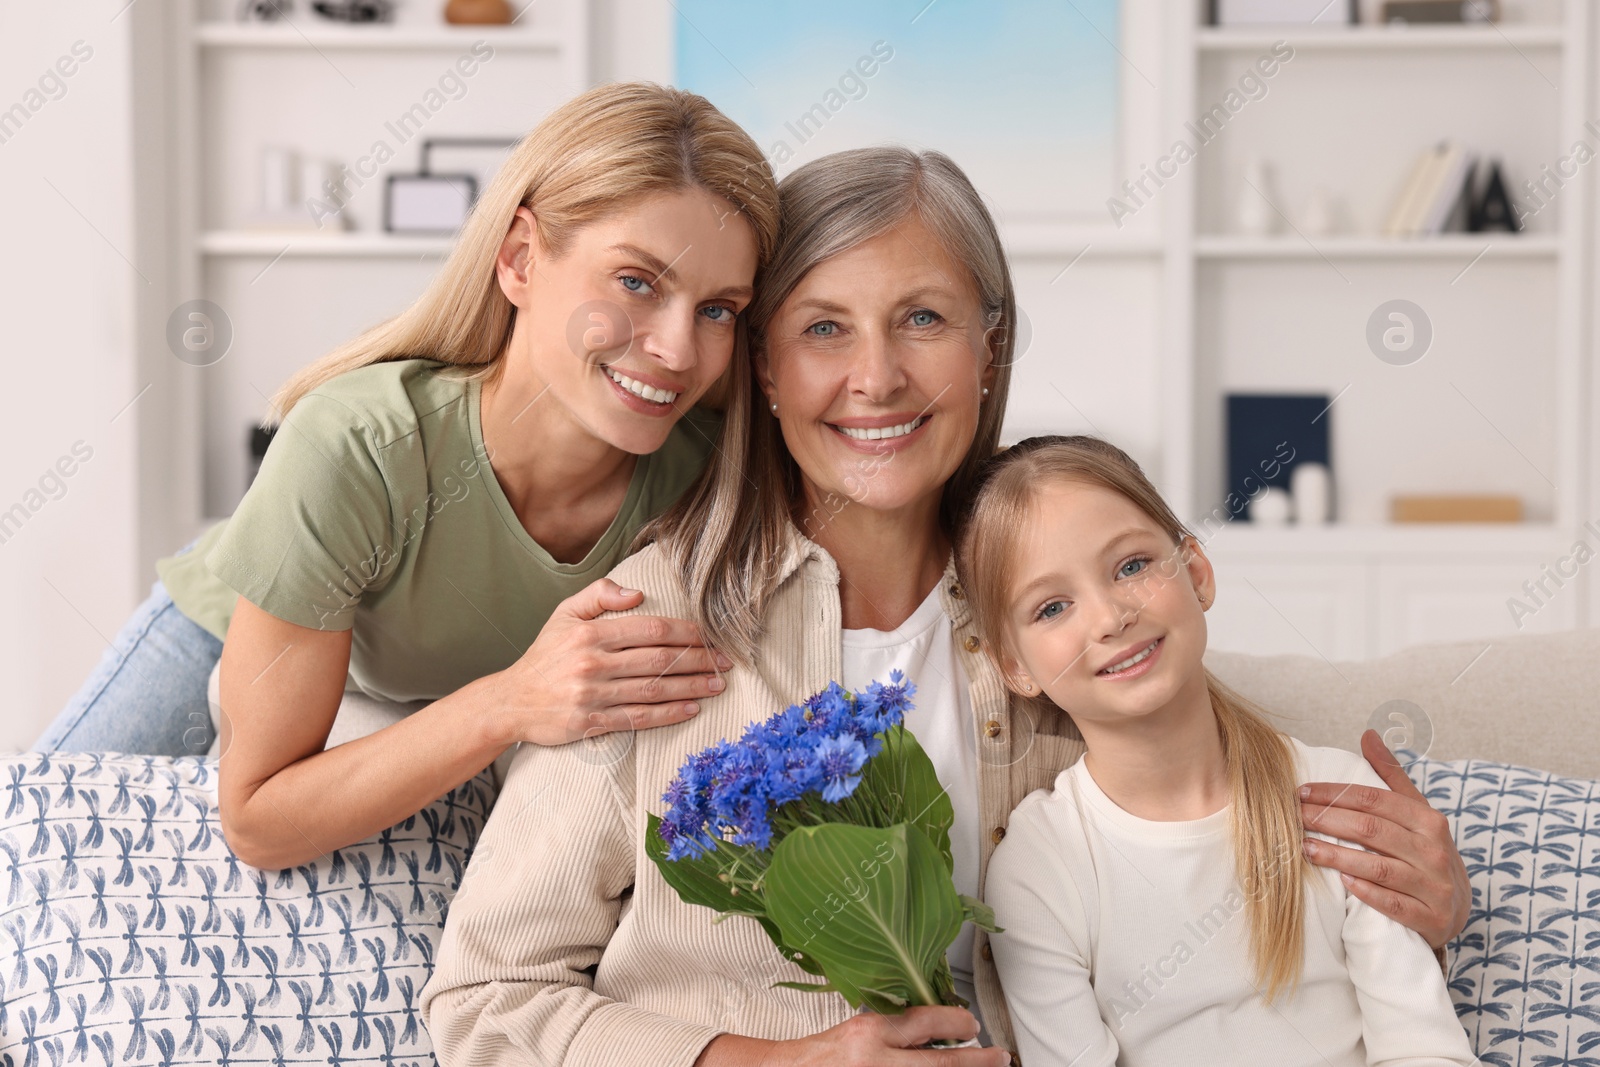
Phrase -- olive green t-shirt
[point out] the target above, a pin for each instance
(376, 508)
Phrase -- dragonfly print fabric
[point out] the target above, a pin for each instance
(131, 934)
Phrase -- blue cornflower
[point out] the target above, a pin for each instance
(840, 760)
(889, 703)
(830, 706)
(684, 832)
(792, 773)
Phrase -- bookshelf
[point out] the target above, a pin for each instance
(1497, 404)
(332, 92)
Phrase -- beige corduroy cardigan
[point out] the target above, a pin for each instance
(565, 946)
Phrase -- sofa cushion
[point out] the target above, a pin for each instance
(131, 934)
(1526, 700)
(1525, 973)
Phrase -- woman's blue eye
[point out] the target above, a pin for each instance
(635, 284)
(1137, 565)
(923, 317)
(822, 329)
(1052, 609)
(718, 313)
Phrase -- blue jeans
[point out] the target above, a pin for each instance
(148, 693)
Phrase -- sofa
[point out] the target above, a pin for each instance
(130, 934)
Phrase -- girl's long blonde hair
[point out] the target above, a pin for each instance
(1265, 819)
(595, 154)
(726, 534)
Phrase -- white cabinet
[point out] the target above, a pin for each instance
(1306, 609)
(1423, 602)
(1359, 604)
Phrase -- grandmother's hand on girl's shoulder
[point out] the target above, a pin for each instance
(1413, 872)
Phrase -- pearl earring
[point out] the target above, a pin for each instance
(986, 390)
(774, 407)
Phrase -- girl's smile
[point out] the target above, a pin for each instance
(1140, 663)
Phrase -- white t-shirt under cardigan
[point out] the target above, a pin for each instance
(1126, 941)
(924, 647)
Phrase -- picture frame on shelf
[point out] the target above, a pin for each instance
(439, 201)
(419, 204)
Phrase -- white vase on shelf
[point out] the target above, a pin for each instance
(1272, 508)
(1311, 486)
(1257, 217)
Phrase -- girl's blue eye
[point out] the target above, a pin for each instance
(822, 329)
(1138, 564)
(718, 313)
(1052, 609)
(923, 317)
(635, 284)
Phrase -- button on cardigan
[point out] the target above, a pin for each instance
(565, 946)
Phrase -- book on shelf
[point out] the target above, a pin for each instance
(1431, 198)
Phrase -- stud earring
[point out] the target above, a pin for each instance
(774, 407)
(986, 390)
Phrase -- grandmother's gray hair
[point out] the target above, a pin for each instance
(728, 531)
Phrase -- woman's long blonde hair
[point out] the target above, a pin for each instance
(727, 532)
(595, 154)
(1265, 819)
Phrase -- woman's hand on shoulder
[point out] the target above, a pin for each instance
(1412, 871)
(866, 1040)
(584, 676)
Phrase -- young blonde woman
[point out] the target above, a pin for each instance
(1157, 906)
(445, 494)
(818, 548)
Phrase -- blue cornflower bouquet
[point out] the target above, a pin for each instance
(827, 825)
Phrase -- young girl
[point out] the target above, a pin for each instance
(1157, 906)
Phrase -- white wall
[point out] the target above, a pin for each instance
(68, 285)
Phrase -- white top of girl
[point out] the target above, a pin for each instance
(1126, 942)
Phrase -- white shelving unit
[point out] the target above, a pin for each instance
(1463, 246)
(1137, 333)
(1496, 404)
(258, 243)
(380, 38)
(335, 92)
(1368, 37)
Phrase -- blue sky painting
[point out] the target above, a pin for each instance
(1022, 94)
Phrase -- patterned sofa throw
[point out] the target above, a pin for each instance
(1525, 973)
(131, 935)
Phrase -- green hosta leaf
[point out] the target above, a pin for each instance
(899, 785)
(873, 906)
(698, 880)
(980, 914)
(807, 987)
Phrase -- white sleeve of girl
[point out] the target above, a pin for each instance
(1042, 955)
(1407, 1019)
